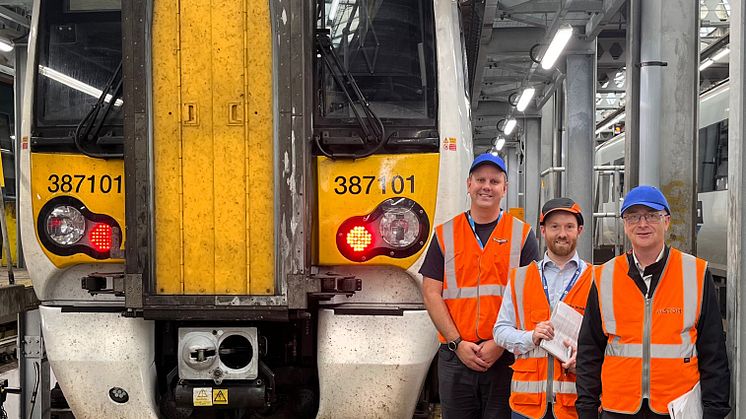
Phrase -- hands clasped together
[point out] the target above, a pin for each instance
(479, 357)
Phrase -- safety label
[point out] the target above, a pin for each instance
(220, 396)
(202, 396)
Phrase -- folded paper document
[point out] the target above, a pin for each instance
(688, 405)
(566, 322)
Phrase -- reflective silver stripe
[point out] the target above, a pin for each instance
(657, 350)
(606, 296)
(449, 271)
(516, 243)
(473, 292)
(537, 352)
(520, 284)
(528, 386)
(689, 269)
(565, 387)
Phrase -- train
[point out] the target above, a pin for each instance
(223, 205)
(712, 184)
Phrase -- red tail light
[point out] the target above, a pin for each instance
(359, 238)
(397, 228)
(100, 237)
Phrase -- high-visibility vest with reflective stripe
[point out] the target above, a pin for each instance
(531, 370)
(474, 278)
(651, 349)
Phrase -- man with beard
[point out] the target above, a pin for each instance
(542, 386)
(465, 271)
(652, 329)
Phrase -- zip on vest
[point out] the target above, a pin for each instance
(550, 380)
(646, 332)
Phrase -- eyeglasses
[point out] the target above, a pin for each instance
(650, 217)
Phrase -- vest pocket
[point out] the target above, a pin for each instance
(530, 399)
(567, 400)
(539, 315)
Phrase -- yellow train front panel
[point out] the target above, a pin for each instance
(98, 184)
(213, 148)
(353, 190)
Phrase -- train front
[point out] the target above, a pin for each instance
(224, 205)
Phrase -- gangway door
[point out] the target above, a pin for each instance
(212, 148)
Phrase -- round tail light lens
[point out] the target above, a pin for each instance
(400, 227)
(65, 225)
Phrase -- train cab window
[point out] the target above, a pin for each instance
(388, 47)
(79, 52)
(713, 157)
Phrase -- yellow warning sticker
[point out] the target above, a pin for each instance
(220, 396)
(202, 396)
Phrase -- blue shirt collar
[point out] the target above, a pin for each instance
(573, 263)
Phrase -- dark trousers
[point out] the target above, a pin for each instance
(465, 393)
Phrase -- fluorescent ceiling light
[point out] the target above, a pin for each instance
(525, 99)
(706, 63)
(75, 84)
(509, 126)
(5, 45)
(561, 37)
(333, 9)
(722, 53)
(499, 143)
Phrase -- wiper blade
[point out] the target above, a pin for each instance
(88, 132)
(370, 123)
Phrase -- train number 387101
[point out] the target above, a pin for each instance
(68, 183)
(367, 184)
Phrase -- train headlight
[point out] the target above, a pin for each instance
(400, 227)
(396, 228)
(65, 225)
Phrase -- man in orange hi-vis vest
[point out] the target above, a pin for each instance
(542, 386)
(465, 272)
(652, 328)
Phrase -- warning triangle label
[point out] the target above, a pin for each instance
(202, 396)
(220, 396)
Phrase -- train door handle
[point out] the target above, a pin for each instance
(191, 114)
(235, 116)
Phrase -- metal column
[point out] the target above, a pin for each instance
(18, 85)
(33, 367)
(514, 185)
(669, 65)
(736, 289)
(546, 148)
(581, 93)
(531, 165)
(632, 106)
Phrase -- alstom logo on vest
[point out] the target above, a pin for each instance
(669, 310)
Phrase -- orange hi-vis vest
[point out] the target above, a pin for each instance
(534, 375)
(474, 278)
(651, 350)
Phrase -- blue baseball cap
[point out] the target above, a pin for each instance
(488, 158)
(646, 195)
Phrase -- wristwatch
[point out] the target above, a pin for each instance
(453, 345)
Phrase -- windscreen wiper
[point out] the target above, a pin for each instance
(88, 132)
(370, 123)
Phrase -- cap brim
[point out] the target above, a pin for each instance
(568, 210)
(482, 163)
(654, 205)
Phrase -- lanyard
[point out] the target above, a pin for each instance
(567, 290)
(474, 229)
